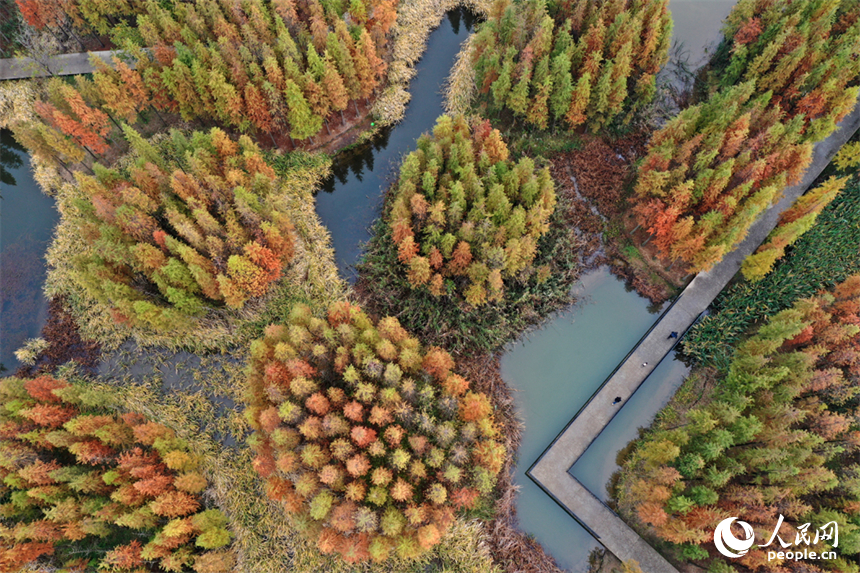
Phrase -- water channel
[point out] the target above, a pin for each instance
(27, 219)
(352, 198)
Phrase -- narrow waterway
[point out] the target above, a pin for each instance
(352, 198)
(27, 219)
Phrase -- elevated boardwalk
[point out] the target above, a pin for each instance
(62, 65)
(550, 471)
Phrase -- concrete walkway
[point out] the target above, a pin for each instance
(62, 65)
(550, 471)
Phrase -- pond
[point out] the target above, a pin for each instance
(352, 197)
(27, 219)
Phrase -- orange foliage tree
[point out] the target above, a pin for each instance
(369, 439)
(804, 51)
(77, 478)
(202, 230)
(571, 62)
(713, 169)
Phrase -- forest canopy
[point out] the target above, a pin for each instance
(573, 62)
(784, 75)
(82, 483)
(171, 235)
(464, 218)
(369, 439)
(775, 434)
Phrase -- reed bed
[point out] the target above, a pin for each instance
(460, 85)
(415, 21)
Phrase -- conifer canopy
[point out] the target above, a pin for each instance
(369, 439)
(464, 217)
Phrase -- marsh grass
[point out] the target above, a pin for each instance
(416, 19)
(459, 87)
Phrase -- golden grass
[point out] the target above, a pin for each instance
(416, 19)
(460, 84)
(16, 102)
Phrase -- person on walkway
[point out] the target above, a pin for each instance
(617, 400)
(673, 334)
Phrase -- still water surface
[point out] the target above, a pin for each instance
(352, 198)
(595, 466)
(27, 219)
(554, 371)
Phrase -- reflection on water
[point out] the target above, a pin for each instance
(553, 373)
(352, 197)
(10, 157)
(27, 218)
(356, 161)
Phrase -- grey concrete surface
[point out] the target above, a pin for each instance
(550, 471)
(62, 65)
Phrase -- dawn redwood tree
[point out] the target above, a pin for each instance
(267, 68)
(711, 171)
(803, 51)
(793, 223)
(786, 72)
(67, 111)
(571, 63)
(201, 231)
(464, 218)
(370, 440)
(84, 486)
(774, 434)
(262, 67)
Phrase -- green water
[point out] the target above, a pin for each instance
(554, 371)
(697, 27)
(27, 218)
